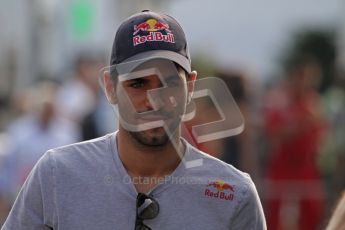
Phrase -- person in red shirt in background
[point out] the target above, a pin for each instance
(294, 128)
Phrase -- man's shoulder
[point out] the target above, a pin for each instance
(90, 150)
(214, 170)
(88, 143)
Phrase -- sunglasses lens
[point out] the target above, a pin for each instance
(150, 212)
(147, 207)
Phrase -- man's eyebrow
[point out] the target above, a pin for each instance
(172, 78)
(137, 79)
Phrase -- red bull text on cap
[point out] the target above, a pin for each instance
(150, 35)
(155, 29)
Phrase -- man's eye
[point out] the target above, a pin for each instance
(137, 84)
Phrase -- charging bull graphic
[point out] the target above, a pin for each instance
(221, 185)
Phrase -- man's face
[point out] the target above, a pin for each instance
(151, 101)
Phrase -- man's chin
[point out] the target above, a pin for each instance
(151, 137)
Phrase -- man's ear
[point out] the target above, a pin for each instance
(109, 87)
(190, 84)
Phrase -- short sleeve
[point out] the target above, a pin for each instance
(250, 214)
(34, 205)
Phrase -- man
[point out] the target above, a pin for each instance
(142, 176)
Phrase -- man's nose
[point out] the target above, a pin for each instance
(152, 99)
(161, 97)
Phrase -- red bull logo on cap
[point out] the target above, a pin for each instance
(220, 189)
(155, 29)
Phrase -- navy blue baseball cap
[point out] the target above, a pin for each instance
(149, 35)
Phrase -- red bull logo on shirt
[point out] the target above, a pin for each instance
(220, 189)
(155, 29)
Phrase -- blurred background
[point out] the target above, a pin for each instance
(284, 62)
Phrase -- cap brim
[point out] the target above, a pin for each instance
(165, 54)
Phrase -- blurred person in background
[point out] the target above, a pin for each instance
(236, 150)
(295, 127)
(77, 96)
(100, 119)
(239, 150)
(80, 99)
(28, 137)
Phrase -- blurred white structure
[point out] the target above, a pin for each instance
(40, 38)
(16, 43)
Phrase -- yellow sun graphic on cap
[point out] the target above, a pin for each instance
(152, 22)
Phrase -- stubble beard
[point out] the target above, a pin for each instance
(156, 137)
(150, 140)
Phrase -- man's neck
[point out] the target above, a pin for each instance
(148, 161)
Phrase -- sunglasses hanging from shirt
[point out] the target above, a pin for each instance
(147, 208)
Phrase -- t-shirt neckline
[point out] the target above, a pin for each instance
(179, 171)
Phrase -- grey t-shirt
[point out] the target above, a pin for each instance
(85, 186)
